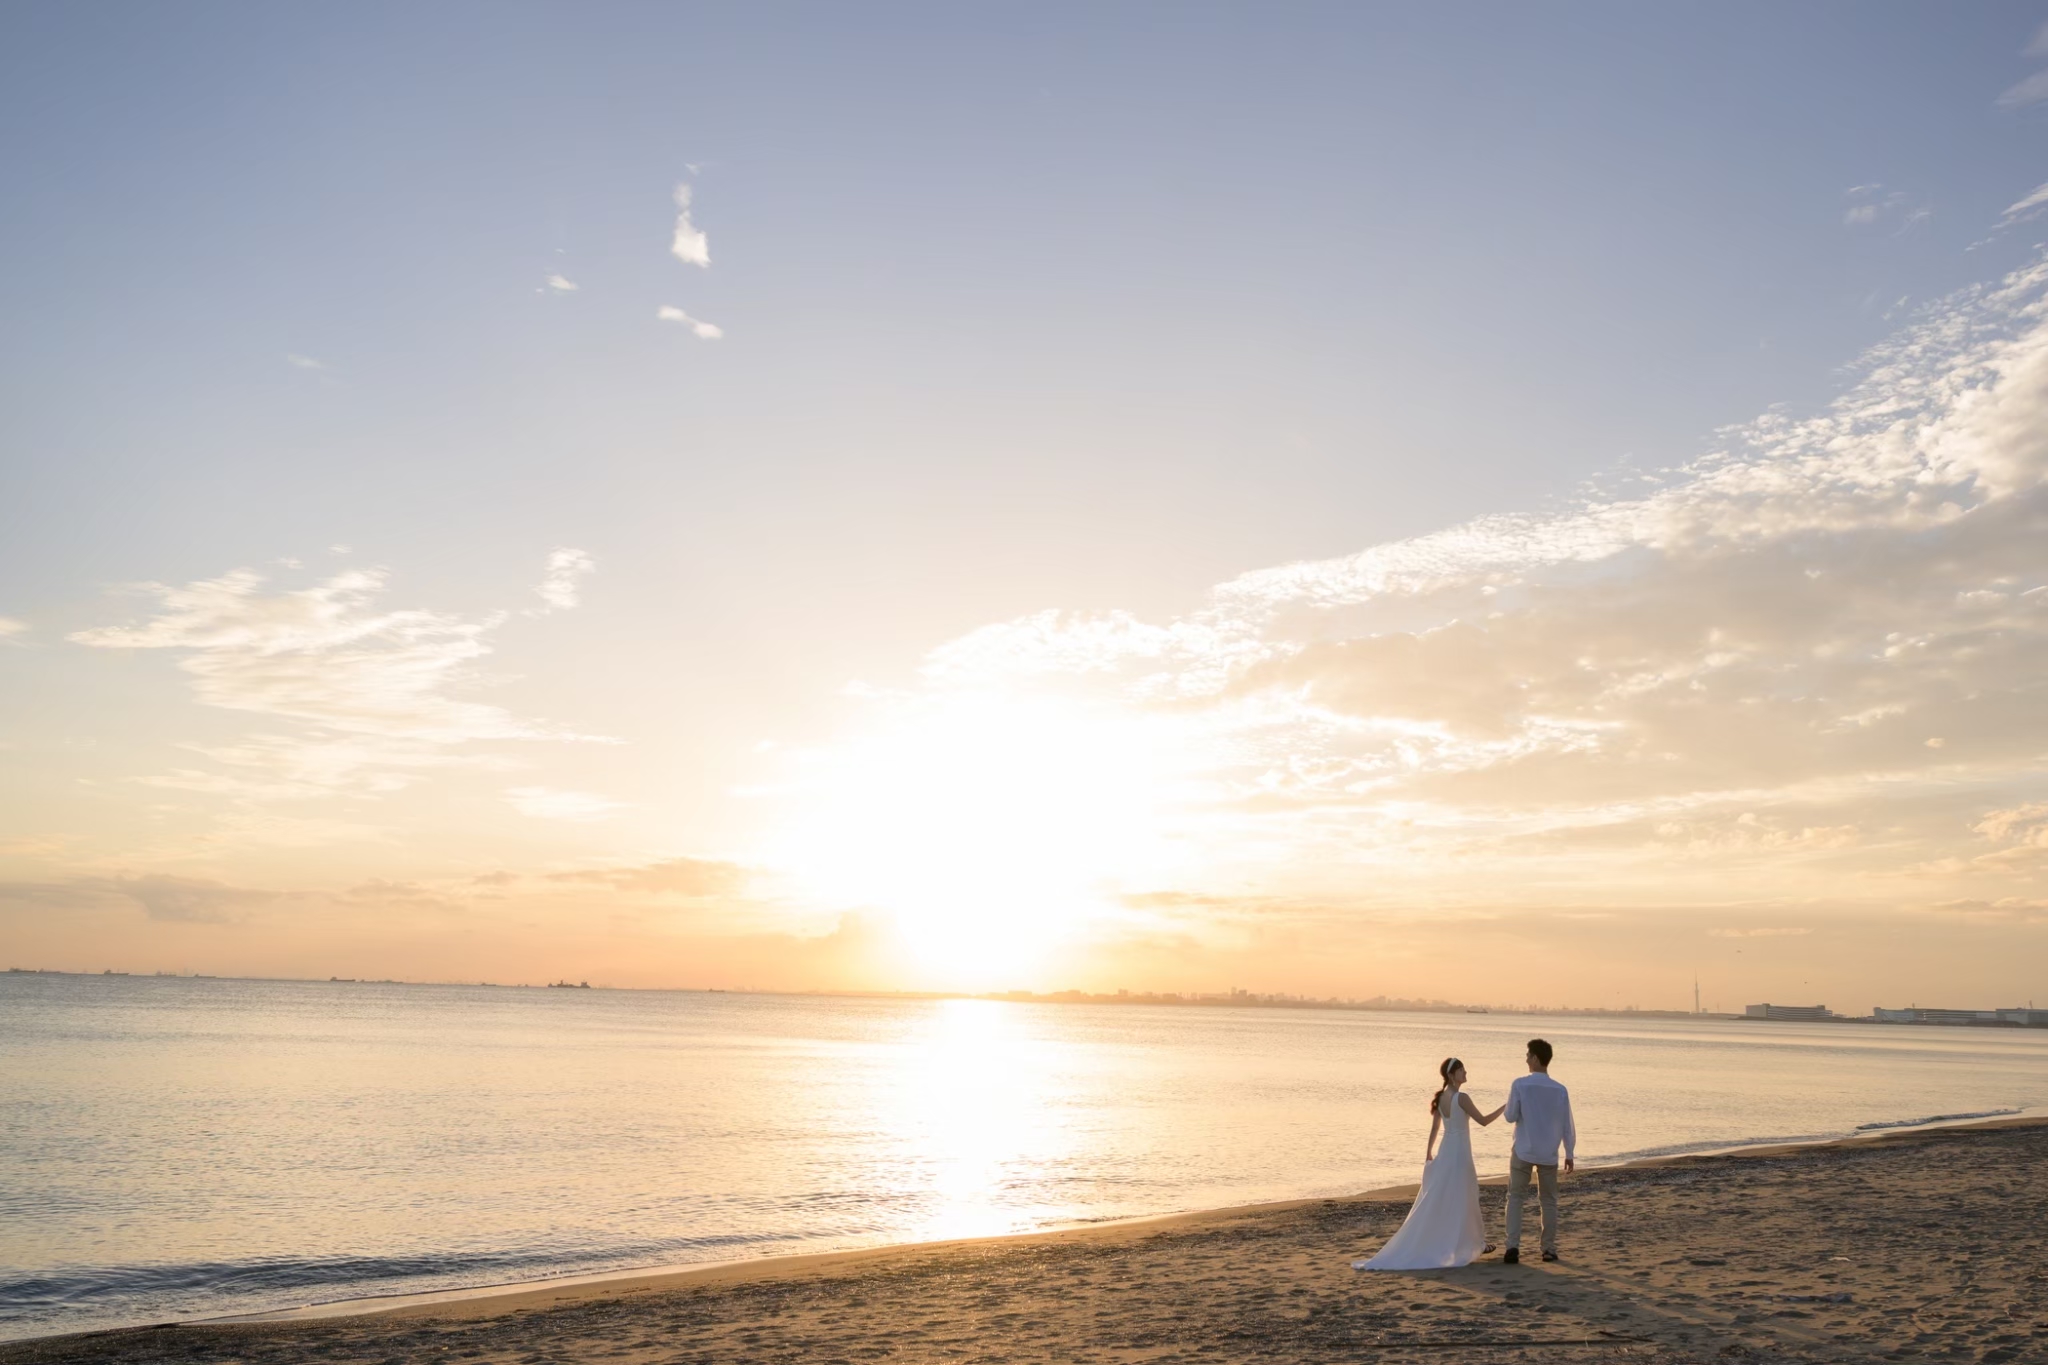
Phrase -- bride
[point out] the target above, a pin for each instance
(1443, 1228)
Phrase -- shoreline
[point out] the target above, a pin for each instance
(1913, 1245)
(520, 1295)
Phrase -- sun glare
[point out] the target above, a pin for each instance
(989, 828)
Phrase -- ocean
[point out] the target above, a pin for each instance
(175, 1148)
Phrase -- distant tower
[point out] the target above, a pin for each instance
(1696, 993)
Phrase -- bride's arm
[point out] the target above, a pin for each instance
(1465, 1101)
(1436, 1121)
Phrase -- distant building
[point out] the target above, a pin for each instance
(1964, 1018)
(1788, 1012)
(2026, 1018)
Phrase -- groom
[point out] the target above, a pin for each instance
(1541, 1111)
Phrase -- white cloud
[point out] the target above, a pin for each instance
(303, 362)
(566, 567)
(10, 625)
(370, 696)
(1873, 203)
(690, 245)
(561, 284)
(1774, 632)
(546, 803)
(2026, 208)
(710, 331)
(2032, 90)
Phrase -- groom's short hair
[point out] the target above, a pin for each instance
(1540, 1050)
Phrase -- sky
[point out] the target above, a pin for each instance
(1505, 504)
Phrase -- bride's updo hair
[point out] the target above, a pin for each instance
(1450, 1064)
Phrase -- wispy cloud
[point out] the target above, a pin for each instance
(186, 900)
(2028, 207)
(303, 362)
(689, 244)
(562, 284)
(566, 569)
(2032, 90)
(1758, 933)
(547, 803)
(372, 696)
(672, 877)
(1872, 204)
(710, 331)
(1747, 663)
(11, 626)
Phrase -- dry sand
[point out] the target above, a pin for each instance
(1918, 1246)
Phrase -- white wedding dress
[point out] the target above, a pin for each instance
(1443, 1229)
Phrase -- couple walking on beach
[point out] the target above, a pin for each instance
(1444, 1228)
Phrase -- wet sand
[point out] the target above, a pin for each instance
(1916, 1246)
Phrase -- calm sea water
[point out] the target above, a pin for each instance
(173, 1148)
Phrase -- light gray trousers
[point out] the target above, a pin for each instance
(1518, 1190)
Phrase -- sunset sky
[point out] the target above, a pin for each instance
(1499, 503)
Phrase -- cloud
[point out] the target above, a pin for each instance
(2024, 824)
(1758, 933)
(1600, 695)
(673, 877)
(2032, 90)
(303, 362)
(371, 696)
(1873, 203)
(690, 245)
(2028, 207)
(183, 900)
(710, 331)
(191, 901)
(2014, 909)
(561, 284)
(566, 568)
(546, 803)
(10, 626)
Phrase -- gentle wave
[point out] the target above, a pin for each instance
(1937, 1118)
(1716, 1145)
(1797, 1139)
(265, 1281)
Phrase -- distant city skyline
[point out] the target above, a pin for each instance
(1369, 502)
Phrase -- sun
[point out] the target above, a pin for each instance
(990, 828)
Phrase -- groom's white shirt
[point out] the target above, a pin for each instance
(1541, 1111)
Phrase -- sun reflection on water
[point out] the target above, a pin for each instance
(973, 1097)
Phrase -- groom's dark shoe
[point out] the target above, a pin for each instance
(1512, 1256)
(1549, 1255)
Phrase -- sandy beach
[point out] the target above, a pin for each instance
(1922, 1245)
